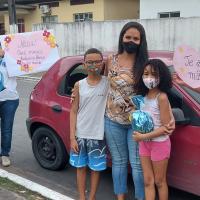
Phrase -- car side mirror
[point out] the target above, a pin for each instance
(179, 117)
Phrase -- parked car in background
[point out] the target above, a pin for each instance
(48, 122)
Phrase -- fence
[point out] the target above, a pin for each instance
(162, 34)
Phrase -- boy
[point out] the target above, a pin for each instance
(87, 123)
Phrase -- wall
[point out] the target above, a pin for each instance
(150, 8)
(162, 34)
(75, 38)
(34, 17)
(65, 11)
(118, 9)
(6, 23)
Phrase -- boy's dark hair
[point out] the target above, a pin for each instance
(93, 50)
(142, 53)
(163, 73)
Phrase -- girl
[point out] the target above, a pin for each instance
(154, 147)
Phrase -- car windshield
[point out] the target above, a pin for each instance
(194, 94)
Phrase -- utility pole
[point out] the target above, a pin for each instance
(12, 16)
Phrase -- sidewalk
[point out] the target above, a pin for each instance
(27, 188)
(8, 195)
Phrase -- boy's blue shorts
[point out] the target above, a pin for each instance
(92, 153)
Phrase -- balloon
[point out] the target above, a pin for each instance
(141, 121)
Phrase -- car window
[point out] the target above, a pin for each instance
(195, 95)
(76, 73)
(178, 102)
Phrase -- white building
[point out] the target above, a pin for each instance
(151, 9)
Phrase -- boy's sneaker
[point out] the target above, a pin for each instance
(5, 161)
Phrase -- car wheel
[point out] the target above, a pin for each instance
(49, 149)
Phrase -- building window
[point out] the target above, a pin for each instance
(51, 4)
(50, 19)
(21, 25)
(2, 29)
(169, 14)
(78, 2)
(80, 17)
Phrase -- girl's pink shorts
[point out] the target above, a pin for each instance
(157, 151)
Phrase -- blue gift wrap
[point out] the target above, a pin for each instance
(141, 121)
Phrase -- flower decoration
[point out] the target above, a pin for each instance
(52, 38)
(7, 39)
(45, 39)
(53, 45)
(49, 39)
(24, 67)
(46, 33)
(19, 62)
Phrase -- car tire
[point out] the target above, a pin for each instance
(49, 149)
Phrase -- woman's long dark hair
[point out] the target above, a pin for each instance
(142, 53)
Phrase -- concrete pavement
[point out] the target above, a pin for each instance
(8, 195)
(33, 186)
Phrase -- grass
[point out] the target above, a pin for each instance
(20, 190)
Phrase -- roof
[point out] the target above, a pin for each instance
(4, 3)
(27, 1)
(32, 1)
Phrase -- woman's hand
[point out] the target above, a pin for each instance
(137, 136)
(74, 145)
(177, 79)
(169, 128)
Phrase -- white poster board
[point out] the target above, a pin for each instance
(30, 52)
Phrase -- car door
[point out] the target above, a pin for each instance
(74, 74)
(184, 163)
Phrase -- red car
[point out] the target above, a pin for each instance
(48, 123)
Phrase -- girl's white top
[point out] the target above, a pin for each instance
(151, 106)
(92, 104)
(7, 84)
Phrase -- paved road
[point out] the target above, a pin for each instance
(24, 163)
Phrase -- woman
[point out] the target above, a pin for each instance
(9, 101)
(122, 69)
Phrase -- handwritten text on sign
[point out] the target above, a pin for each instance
(187, 65)
(27, 53)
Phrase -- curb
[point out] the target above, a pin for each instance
(44, 191)
(30, 78)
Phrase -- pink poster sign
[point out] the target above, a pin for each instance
(31, 52)
(186, 63)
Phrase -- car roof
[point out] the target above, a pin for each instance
(165, 56)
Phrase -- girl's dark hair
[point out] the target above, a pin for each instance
(163, 73)
(142, 53)
(93, 50)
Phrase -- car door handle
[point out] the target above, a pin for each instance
(57, 108)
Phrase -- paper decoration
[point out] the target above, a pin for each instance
(186, 63)
(31, 52)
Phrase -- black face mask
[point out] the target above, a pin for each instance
(130, 47)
